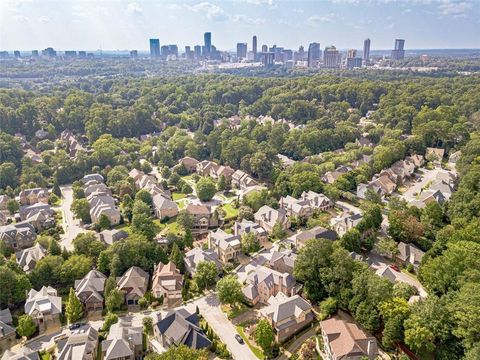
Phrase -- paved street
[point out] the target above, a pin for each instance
(209, 307)
(414, 188)
(70, 225)
(379, 262)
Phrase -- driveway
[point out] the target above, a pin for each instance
(377, 261)
(415, 188)
(347, 206)
(209, 307)
(71, 226)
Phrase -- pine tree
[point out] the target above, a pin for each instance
(176, 257)
(188, 238)
(56, 189)
(73, 309)
(54, 248)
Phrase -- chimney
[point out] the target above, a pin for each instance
(371, 349)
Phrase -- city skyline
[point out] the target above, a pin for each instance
(121, 25)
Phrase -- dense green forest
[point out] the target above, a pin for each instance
(322, 114)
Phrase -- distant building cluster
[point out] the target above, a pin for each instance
(266, 55)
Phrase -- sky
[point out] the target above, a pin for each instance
(127, 24)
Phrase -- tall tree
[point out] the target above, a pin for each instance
(73, 308)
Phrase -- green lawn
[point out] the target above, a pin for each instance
(172, 227)
(256, 351)
(235, 311)
(231, 212)
(177, 196)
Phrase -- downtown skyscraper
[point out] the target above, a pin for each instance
(155, 48)
(313, 54)
(207, 37)
(398, 53)
(366, 50)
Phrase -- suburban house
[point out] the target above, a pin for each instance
(409, 254)
(198, 255)
(18, 236)
(264, 283)
(73, 146)
(364, 141)
(102, 203)
(96, 187)
(164, 207)
(203, 218)
(28, 258)
(133, 284)
(89, 290)
(189, 163)
(39, 215)
(7, 331)
(4, 199)
(417, 160)
(33, 196)
(24, 353)
(179, 327)
(343, 338)
(287, 315)
(299, 239)
(221, 170)
(247, 226)
(124, 341)
(283, 261)
(317, 201)
(436, 154)
(227, 246)
(93, 178)
(387, 273)
(241, 180)
(285, 161)
(44, 307)
(342, 224)
(204, 167)
(80, 345)
(444, 187)
(148, 183)
(331, 176)
(268, 217)
(3, 218)
(167, 282)
(112, 236)
(454, 157)
(296, 207)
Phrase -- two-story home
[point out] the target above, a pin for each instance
(89, 290)
(7, 331)
(247, 226)
(44, 306)
(409, 254)
(345, 222)
(282, 261)
(167, 283)
(227, 246)
(343, 338)
(242, 180)
(33, 196)
(296, 207)
(264, 283)
(317, 201)
(111, 236)
(203, 218)
(164, 207)
(197, 255)
(205, 167)
(28, 258)
(189, 163)
(81, 344)
(18, 236)
(39, 215)
(133, 284)
(287, 315)
(4, 199)
(299, 239)
(124, 341)
(179, 327)
(268, 217)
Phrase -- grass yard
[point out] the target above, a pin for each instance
(256, 351)
(230, 212)
(172, 227)
(235, 311)
(177, 196)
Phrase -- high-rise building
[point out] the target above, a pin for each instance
(133, 54)
(268, 58)
(331, 57)
(16, 53)
(207, 37)
(398, 53)
(354, 62)
(82, 54)
(366, 50)
(173, 50)
(154, 48)
(264, 48)
(197, 51)
(241, 50)
(49, 52)
(34, 53)
(254, 47)
(313, 54)
(70, 53)
(164, 51)
(351, 53)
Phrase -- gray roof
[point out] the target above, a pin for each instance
(282, 307)
(182, 328)
(80, 345)
(197, 255)
(5, 329)
(23, 354)
(6, 316)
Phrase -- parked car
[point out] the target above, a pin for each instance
(394, 267)
(239, 339)
(75, 326)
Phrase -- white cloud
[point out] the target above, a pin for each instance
(134, 9)
(248, 20)
(317, 20)
(211, 11)
(20, 18)
(44, 19)
(258, 2)
(298, 11)
(454, 8)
